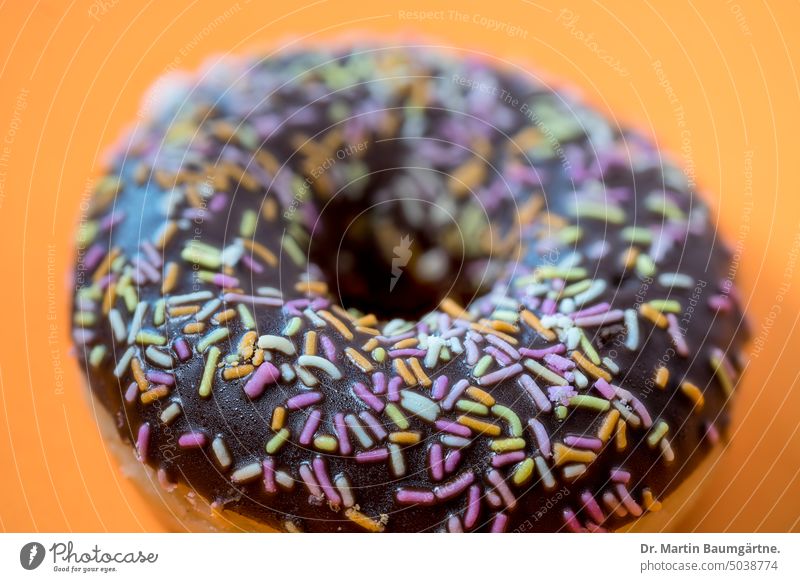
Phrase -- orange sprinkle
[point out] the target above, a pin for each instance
(109, 297)
(311, 287)
(362, 520)
(270, 209)
(589, 367)
(410, 342)
(629, 257)
(501, 325)
(278, 418)
(622, 435)
(480, 426)
(404, 438)
(224, 316)
(563, 454)
(237, 371)
(694, 393)
(368, 320)
(343, 313)
(195, 327)
(650, 503)
(166, 235)
(367, 330)
(662, 376)
(261, 251)
(654, 315)
(170, 278)
(402, 369)
(181, 310)
(608, 426)
(371, 344)
(481, 396)
(533, 321)
(154, 394)
(358, 360)
(454, 310)
(310, 347)
(258, 357)
(247, 343)
(337, 323)
(490, 330)
(105, 265)
(422, 377)
(138, 374)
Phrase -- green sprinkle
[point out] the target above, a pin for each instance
(295, 253)
(561, 412)
(506, 315)
(523, 472)
(589, 349)
(514, 424)
(637, 234)
(378, 354)
(599, 211)
(645, 265)
(568, 273)
(326, 443)
(202, 254)
(396, 416)
(544, 373)
(96, 355)
(659, 431)
(276, 442)
(247, 228)
(150, 338)
(130, 298)
(665, 206)
(593, 402)
(666, 305)
(576, 288)
(465, 405)
(247, 318)
(84, 318)
(503, 445)
(482, 365)
(292, 327)
(570, 234)
(212, 338)
(159, 313)
(208, 371)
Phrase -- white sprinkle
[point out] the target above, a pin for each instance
(208, 309)
(287, 373)
(419, 405)
(680, 280)
(358, 431)
(344, 489)
(435, 345)
(594, 291)
(276, 342)
(305, 376)
(284, 479)
(611, 365)
(573, 338)
(320, 363)
(124, 362)
(189, 298)
(397, 461)
(246, 473)
(136, 321)
(270, 292)
(117, 325)
(457, 442)
(158, 357)
(455, 345)
(221, 453)
(632, 323)
(316, 320)
(170, 413)
(231, 254)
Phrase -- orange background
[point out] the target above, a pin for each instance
(72, 74)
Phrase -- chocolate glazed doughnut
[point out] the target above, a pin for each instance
(392, 289)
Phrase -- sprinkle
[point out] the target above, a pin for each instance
(608, 425)
(419, 373)
(143, 442)
(276, 342)
(362, 436)
(192, 440)
(500, 375)
(589, 367)
(396, 416)
(276, 442)
(303, 400)
(117, 325)
(405, 438)
(415, 497)
(374, 425)
(454, 487)
(396, 461)
(454, 310)
(510, 444)
(718, 365)
(211, 338)
(514, 423)
(496, 479)
(453, 427)
(480, 426)
(136, 321)
(548, 480)
(207, 309)
(534, 322)
(659, 431)
(321, 364)
(419, 405)
(337, 324)
(207, 379)
(537, 396)
(363, 521)
(694, 393)
(321, 472)
(359, 360)
(563, 454)
(546, 374)
(455, 392)
(662, 376)
(124, 362)
(591, 402)
(310, 481)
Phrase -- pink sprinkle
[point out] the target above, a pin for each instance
(454, 428)
(407, 352)
(223, 280)
(499, 523)
(368, 397)
(620, 475)
(593, 310)
(499, 355)
(712, 433)
(600, 319)
(192, 440)
(500, 375)
(454, 487)
(310, 481)
(158, 377)
(252, 264)
(572, 522)
(540, 353)
(605, 389)
(503, 345)
(321, 471)
(303, 400)
(451, 461)
(163, 480)
(583, 442)
(440, 387)
(473, 507)
(455, 393)
(542, 438)
(379, 383)
(472, 352)
(507, 458)
(719, 303)
(549, 306)
(269, 475)
(435, 462)
(675, 333)
(265, 374)
(143, 442)
(181, 348)
(311, 426)
(252, 299)
(131, 393)
(394, 389)
(374, 425)
(496, 479)
(592, 508)
(93, 257)
(328, 347)
(454, 525)
(373, 456)
(536, 394)
(415, 497)
(341, 433)
(152, 254)
(628, 501)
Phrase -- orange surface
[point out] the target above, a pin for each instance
(725, 97)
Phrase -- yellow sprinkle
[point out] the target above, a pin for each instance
(207, 380)
(258, 357)
(363, 521)
(523, 472)
(454, 310)
(563, 454)
(247, 344)
(608, 426)
(654, 315)
(589, 367)
(404, 438)
(108, 298)
(326, 442)
(500, 325)
(310, 347)
(622, 435)
(662, 377)
(422, 377)
(533, 321)
(481, 396)
(479, 425)
(694, 393)
(511, 444)
(358, 360)
(236, 372)
(718, 365)
(278, 418)
(401, 368)
(336, 323)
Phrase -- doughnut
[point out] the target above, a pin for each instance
(401, 289)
